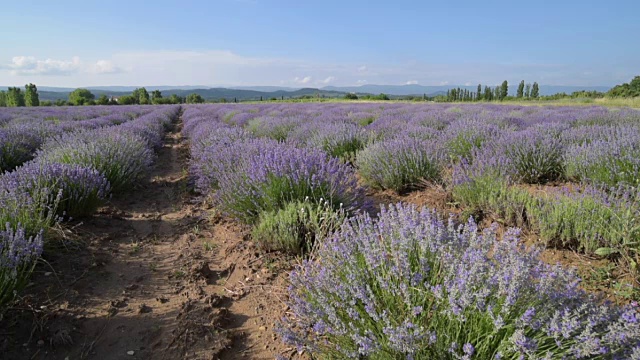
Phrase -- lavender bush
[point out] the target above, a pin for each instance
(592, 219)
(32, 210)
(225, 150)
(493, 197)
(295, 228)
(411, 286)
(610, 161)
(463, 136)
(121, 157)
(17, 145)
(400, 164)
(18, 253)
(527, 156)
(268, 175)
(83, 189)
(341, 140)
(276, 128)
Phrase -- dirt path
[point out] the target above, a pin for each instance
(153, 275)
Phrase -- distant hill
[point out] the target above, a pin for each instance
(263, 88)
(206, 93)
(246, 93)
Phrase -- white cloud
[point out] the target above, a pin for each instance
(361, 82)
(29, 65)
(304, 80)
(105, 67)
(467, 84)
(328, 80)
(362, 68)
(442, 83)
(412, 82)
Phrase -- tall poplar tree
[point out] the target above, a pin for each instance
(535, 90)
(487, 93)
(520, 93)
(15, 97)
(31, 97)
(504, 90)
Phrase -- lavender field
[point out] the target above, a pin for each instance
(373, 279)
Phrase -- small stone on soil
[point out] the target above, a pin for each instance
(143, 309)
(132, 287)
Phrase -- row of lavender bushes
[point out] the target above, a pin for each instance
(407, 284)
(289, 194)
(72, 172)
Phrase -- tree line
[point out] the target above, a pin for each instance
(630, 89)
(139, 96)
(489, 93)
(15, 97)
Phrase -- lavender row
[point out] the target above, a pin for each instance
(247, 175)
(24, 130)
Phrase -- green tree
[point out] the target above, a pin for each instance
(487, 93)
(527, 91)
(479, 92)
(80, 97)
(141, 96)
(351, 96)
(497, 92)
(156, 95)
(520, 93)
(61, 102)
(46, 103)
(194, 99)
(3, 99)
(631, 89)
(175, 99)
(102, 100)
(15, 97)
(31, 97)
(127, 100)
(535, 90)
(504, 90)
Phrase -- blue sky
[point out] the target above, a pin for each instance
(318, 43)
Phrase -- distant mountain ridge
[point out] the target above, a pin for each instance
(207, 93)
(245, 93)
